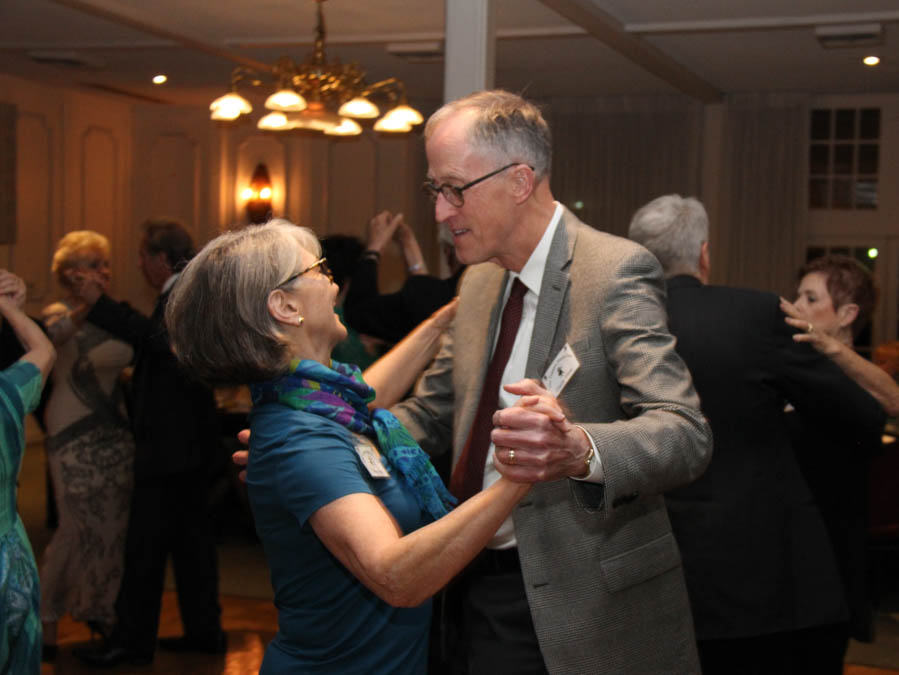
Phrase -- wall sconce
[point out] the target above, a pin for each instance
(258, 196)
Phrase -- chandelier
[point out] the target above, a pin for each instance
(319, 95)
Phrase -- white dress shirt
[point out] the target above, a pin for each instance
(531, 276)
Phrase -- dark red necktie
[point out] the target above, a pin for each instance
(468, 476)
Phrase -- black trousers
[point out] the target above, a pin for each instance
(495, 632)
(819, 650)
(169, 515)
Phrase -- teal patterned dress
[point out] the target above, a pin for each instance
(20, 639)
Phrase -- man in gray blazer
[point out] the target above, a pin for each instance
(586, 577)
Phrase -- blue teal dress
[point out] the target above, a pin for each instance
(20, 641)
(328, 621)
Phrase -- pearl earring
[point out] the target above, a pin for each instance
(300, 321)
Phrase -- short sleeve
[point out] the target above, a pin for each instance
(22, 385)
(309, 461)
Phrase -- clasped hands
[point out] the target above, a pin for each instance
(534, 439)
(544, 445)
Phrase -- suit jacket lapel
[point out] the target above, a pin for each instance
(553, 291)
(472, 338)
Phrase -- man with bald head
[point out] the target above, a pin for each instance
(558, 368)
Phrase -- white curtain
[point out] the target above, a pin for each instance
(764, 188)
(612, 155)
(7, 173)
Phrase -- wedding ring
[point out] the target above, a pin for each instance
(811, 328)
(511, 457)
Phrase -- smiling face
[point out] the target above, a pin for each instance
(815, 303)
(316, 296)
(482, 228)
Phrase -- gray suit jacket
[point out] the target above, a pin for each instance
(601, 567)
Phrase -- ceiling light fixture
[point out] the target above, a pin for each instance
(871, 60)
(160, 79)
(320, 95)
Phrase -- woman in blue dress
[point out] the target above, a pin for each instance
(20, 391)
(354, 520)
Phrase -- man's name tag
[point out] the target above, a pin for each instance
(370, 458)
(563, 367)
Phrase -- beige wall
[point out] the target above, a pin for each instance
(73, 172)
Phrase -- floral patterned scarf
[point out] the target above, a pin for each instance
(340, 394)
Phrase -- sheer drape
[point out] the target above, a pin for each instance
(763, 206)
(616, 154)
(7, 173)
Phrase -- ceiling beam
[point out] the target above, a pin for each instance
(136, 18)
(761, 23)
(608, 30)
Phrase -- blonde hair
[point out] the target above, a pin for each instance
(73, 248)
(217, 313)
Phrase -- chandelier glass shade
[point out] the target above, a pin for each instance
(319, 95)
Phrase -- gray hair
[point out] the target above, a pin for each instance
(217, 314)
(673, 228)
(505, 125)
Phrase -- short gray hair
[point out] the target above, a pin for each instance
(507, 126)
(217, 314)
(673, 228)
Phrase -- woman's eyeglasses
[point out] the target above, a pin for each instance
(321, 263)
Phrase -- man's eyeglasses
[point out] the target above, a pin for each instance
(321, 263)
(453, 194)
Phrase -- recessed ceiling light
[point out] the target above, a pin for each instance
(159, 79)
(871, 60)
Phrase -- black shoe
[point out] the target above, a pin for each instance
(109, 655)
(217, 645)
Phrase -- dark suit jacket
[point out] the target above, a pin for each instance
(601, 568)
(391, 316)
(172, 416)
(756, 554)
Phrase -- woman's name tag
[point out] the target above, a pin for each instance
(369, 457)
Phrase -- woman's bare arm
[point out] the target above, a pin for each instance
(404, 571)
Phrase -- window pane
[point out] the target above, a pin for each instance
(866, 194)
(869, 123)
(842, 193)
(820, 125)
(842, 158)
(845, 125)
(817, 193)
(819, 159)
(867, 158)
(860, 253)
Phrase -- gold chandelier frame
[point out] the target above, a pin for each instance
(319, 95)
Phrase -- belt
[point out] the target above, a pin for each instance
(497, 561)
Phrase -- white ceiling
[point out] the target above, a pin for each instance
(725, 45)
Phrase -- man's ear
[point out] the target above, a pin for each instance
(522, 182)
(283, 307)
(846, 314)
(705, 263)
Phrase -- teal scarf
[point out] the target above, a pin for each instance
(340, 394)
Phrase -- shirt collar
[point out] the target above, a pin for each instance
(531, 274)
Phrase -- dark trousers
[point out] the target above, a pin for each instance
(169, 515)
(819, 650)
(495, 630)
